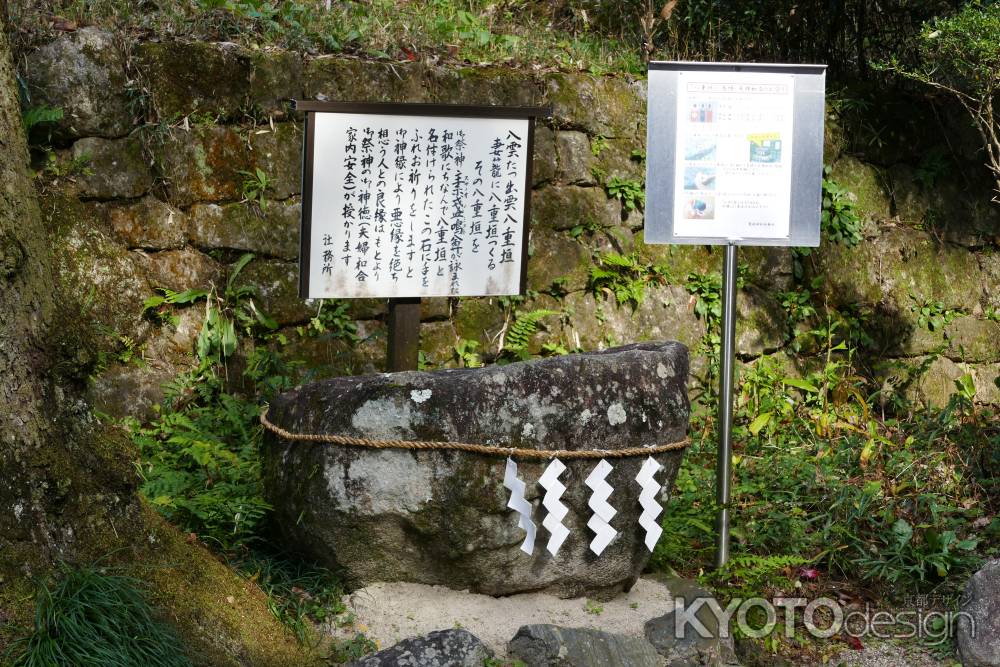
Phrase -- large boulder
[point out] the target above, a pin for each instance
(440, 517)
(978, 635)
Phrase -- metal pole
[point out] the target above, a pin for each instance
(725, 455)
(404, 334)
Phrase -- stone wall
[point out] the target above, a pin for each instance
(145, 190)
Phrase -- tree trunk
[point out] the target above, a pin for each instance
(68, 486)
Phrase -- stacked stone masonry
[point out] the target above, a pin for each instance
(155, 146)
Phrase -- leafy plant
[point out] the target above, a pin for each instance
(517, 338)
(346, 650)
(625, 277)
(37, 116)
(838, 219)
(88, 617)
(630, 192)
(960, 57)
(465, 353)
(255, 186)
(598, 144)
(932, 314)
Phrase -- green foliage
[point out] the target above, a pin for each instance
(200, 465)
(824, 474)
(838, 219)
(89, 617)
(299, 593)
(332, 320)
(749, 575)
(347, 650)
(625, 277)
(466, 355)
(630, 192)
(517, 338)
(598, 144)
(40, 117)
(960, 56)
(932, 315)
(255, 186)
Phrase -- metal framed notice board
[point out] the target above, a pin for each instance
(734, 156)
(414, 200)
(734, 153)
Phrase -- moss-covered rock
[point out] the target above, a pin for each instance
(576, 162)
(483, 85)
(326, 355)
(195, 77)
(557, 257)
(761, 323)
(478, 319)
(115, 168)
(202, 164)
(562, 207)
(181, 269)
(543, 166)
(277, 285)
(973, 340)
(275, 78)
(272, 231)
(437, 342)
(595, 104)
(148, 223)
(278, 154)
(83, 74)
(616, 159)
(103, 280)
(348, 80)
(867, 186)
(597, 323)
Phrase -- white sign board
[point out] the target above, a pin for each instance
(734, 154)
(414, 200)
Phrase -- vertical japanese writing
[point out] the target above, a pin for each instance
(493, 206)
(459, 192)
(510, 200)
(350, 185)
(396, 217)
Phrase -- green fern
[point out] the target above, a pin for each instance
(515, 345)
(625, 277)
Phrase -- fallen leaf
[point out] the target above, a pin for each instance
(668, 9)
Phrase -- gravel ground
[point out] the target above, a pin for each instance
(889, 655)
(387, 613)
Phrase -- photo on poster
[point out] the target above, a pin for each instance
(697, 148)
(701, 112)
(700, 208)
(699, 177)
(765, 148)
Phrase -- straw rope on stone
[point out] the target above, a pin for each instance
(489, 450)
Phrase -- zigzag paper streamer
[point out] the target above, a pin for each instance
(647, 500)
(520, 504)
(555, 510)
(602, 511)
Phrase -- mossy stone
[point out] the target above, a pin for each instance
(478, 318)
(866, 184)
(276, 77)
(562, 207)
(149, 223)
(195, 77)
(115, 168)
(576, 162)
(202, 164)
(557, 257)
(344, 79)
(494, 86)
(543, 164)
(278, 153)
(271, 231)
(973, 340)
(595, 104)
(277, 285)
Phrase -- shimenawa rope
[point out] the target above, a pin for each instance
(489, 450)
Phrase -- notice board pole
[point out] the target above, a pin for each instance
(725, 454)
(404, 334)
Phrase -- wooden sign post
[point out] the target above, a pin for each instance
(734, 157)
(404, 201)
